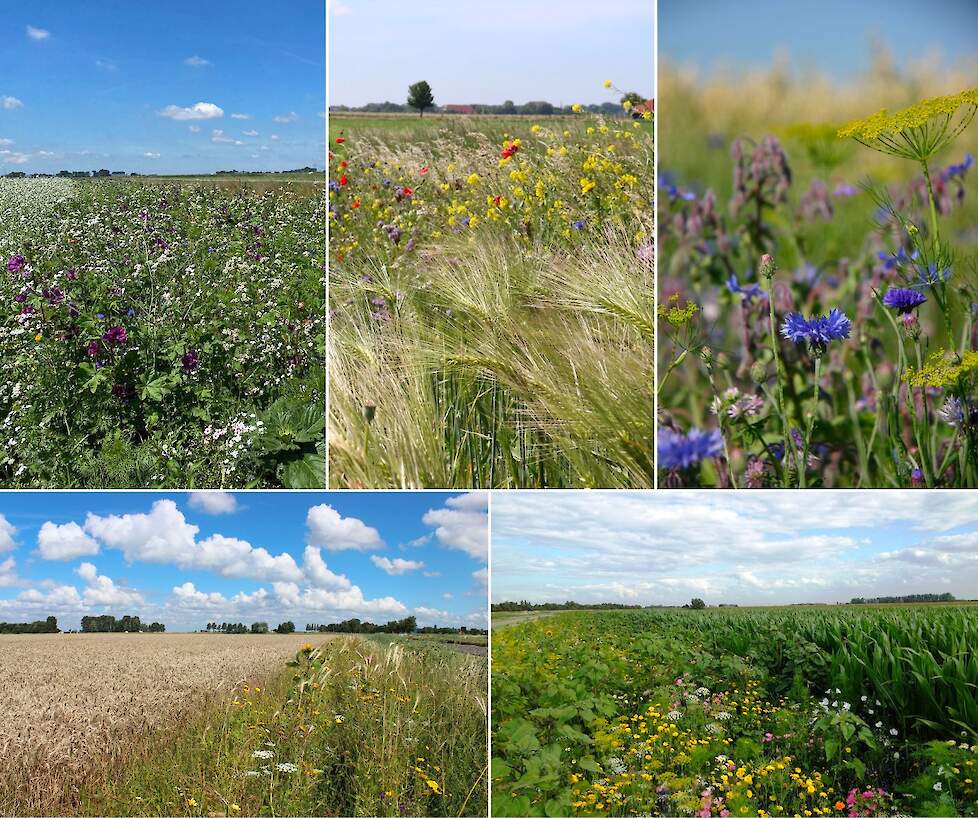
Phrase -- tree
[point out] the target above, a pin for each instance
(259, 627)
(419, 97)
(697, 604)
(285, 627)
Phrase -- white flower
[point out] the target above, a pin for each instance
(674, 715)
(893, 731)
(286, 768)
(938, 786)
(262, 754)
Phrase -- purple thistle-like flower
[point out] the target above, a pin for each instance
(16, 263)
(679, 451)
(116, 335)
(903, 300)
(818, 332)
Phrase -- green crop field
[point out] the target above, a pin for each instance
(814, 710)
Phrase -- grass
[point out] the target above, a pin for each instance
(353, 728)
(492, 343)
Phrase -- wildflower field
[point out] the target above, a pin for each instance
(204, 725)
(780, 711)
(491, 302)
(159, 334)
(817, 281)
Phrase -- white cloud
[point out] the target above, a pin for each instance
(397, 566)
(100, 590)
(250, 133)
(187, 596)
(15, 157)
(58, 597)
(199, 110)
(481, 576)
(151, 155)
(193, 128)
(64, 542)
(240, 116)
(463, 524)
(4, 141)
(9, 103)
(218, 136)
(105, 65)
(274, 137)
(8, 573)
(196, 62)
(348, 601)
(213, 502)
(430, 617)
(231, 557)
(7, 531)
(448, 595)
(284, 119)
(325, 527)
(318, 574)
(37, 34)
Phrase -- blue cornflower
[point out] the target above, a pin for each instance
(956, 412)
(334, 186)
(903, 300)
(932, 276)
(818, 332)
(748, 292)
(844, 190)
(961, 168)
(897, 259)
(679, 451)
(580, 224)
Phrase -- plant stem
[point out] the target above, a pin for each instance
(803, 466)
(779, 373)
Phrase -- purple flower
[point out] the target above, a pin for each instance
(116, 335)
(71, 275)
(120, 390)
(190, 360)
(20, 298)
(903, 300)
(580, 224)
(679, 451)
(844, 190)
(817, 332)
(748, 292)
(962, 168)
(16, 263)
(896, 260)
(932, 275)
(92, 349)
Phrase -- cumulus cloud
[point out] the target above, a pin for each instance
(100, 590)
(318, 574)
(463, 523)
(8, 573)
(481, 576)
(188, 596)
(37, 34)
(151, 155)
(165, 536)
(240, 116)
(213, 502)
(397, 566)
(7, 532)
(348, 601)
(284, 119)
(64, 542)
(199, 110)
(15, 157)
(5, 141)
(196, 62)
(325, 527)
(9, 103)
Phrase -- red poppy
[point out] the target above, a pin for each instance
(343, 181)
(423, 171)
(343, 165)
(340, 140)
(509, 150)
(407, 191)
(356, 204)
(496, 201)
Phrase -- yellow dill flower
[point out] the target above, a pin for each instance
(587, 185)
(917, 132)
(942, 369)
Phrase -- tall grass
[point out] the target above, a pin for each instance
(353, 728)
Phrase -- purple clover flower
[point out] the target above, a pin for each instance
(16, 263)
(679, 451)
(902, 300)
(190, 361)
(818, 332)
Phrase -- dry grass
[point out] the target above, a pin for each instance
(76, 706)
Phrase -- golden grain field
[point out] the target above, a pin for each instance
(76, 705)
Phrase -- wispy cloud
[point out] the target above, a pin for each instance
(240, 116)
(9, 103)
(284, 119)
(151, 155)
(196, 62)
(219, 137)
(106, 65)
(37, 34)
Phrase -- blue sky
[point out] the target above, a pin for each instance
(85, 89)
(760, 548)
(830, 35)
(189, 558)
(488, 52)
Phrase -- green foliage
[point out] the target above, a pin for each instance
(420, 97)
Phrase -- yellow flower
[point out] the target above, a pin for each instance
(535, 129)
(235, 808)
(647, 116)
(433, 785)
(192, 802)
(607, 83)
(38, 337)
(473, 179)
(627, 105)
(587, 185)
(576, 108)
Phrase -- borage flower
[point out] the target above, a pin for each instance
(816, 332)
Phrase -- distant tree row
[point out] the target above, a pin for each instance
(103, 173)
(508, 108)
(49, 625)
(570, 605)
(879, 600)
(407, 625)
(256, 627)
(109, 624)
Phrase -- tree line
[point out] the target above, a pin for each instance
(570, 605)
(255, 627)
(881, 600)
(127, 624)
(49, 625)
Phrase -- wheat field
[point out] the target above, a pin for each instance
(76, 706)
